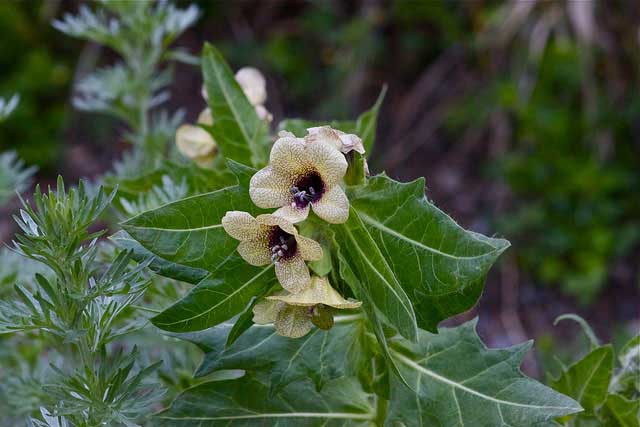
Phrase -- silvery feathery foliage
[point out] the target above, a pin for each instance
(14, 176)
(8, 106)
(141, 32)
(159, 195)
(79, 306)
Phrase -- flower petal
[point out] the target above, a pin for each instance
(269, 189)
(293, 274)
(293, 214)
(272, 220)
(241, 225)
(194, 142)
(253, 85)
(328, 161)
(324, 135)
(308, 249)
(255, 252)
(205, 117)
(319, 291)
(293, 322)
(289, 158)
(266, 311)
(333, 206)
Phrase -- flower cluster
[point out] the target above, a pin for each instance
(303, 174)
(195, 143)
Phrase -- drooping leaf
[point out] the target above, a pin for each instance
(320, 355)
(218, 297)
(459, 382)
(189, 231)
(587, 381)
(621, 412)
(378, 280)
(247, 402)
(438, 263)
(237, 129)
(161, 266)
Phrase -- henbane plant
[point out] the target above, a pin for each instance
(321, 287)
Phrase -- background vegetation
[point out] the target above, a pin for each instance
(523, 117)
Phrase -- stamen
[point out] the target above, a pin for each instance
(282, 240)
(312, 191)
(285, 247)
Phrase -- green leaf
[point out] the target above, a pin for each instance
(459, 382)
(438, 263)
(378, 280)
(622, 412)
(372, 313)
(587, 380)
(237, 129)
(320, 355)
(218, 297)
(161, 266)
(189, 231)
(247, 402)
(367, 123)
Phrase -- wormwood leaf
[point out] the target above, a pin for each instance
(320, 355)
(587, 380)
(218, 297)
(438, 263)
(457, 381)
(237, 129)
(247, 402)
(378, 280)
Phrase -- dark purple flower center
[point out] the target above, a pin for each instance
(308, 188)
(282, 244)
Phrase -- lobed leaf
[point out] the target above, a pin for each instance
(248, 402)
(218, 297)
(441, 266)
(457, 381)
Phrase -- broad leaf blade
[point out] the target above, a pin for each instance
(247, 402)
(437, 262)
(622, 412)
(587, 380)
(189, 231)
(459, 382)
(218, 297)
(380, 283)
(320, 355)
(237, 129)
(161, 266)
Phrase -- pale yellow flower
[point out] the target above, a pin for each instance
(254, 86)
(300, 177)
(269, 238)
(345, 142)
(293, 315)
(197, 144)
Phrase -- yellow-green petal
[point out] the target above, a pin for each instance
(333, 206)
(293, 322)
(319, 291)
(293, 274)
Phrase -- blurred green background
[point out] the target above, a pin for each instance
(524, 117)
